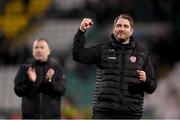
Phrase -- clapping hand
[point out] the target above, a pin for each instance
(32, 74)
(49, 74)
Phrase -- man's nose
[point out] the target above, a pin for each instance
(122, 28)
(38, 50)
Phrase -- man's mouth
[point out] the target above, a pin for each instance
(39, 55)
(121, 33)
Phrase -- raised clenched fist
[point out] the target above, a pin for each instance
(85, 24)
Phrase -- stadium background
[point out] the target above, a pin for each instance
(157, 28)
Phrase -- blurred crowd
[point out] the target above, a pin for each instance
(104, 12)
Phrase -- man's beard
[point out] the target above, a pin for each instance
(120, 39)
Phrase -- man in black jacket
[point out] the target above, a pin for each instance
(40, 83)
(124, 70)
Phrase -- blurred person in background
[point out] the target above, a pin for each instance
(124, 70)
(41, 84)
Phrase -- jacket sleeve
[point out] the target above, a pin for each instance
(22, 85)
(150, 84)
(57, 85)
(81, 54)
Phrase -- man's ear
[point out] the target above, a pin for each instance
(113, 31)
(132, 30)
(49, 51)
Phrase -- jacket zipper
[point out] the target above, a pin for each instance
(41, 95)
(121, 74)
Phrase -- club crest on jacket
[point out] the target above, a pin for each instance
(133, 59)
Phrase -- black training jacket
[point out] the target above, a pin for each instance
(118, 88)
(40, 99)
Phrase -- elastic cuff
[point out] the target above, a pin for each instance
(79, 31)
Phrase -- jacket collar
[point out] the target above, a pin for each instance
(115, 44)
(37, 62)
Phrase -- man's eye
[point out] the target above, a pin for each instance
(126, 26)
(119, 25)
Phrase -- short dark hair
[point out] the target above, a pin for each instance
(124, 16)
(42, 39)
